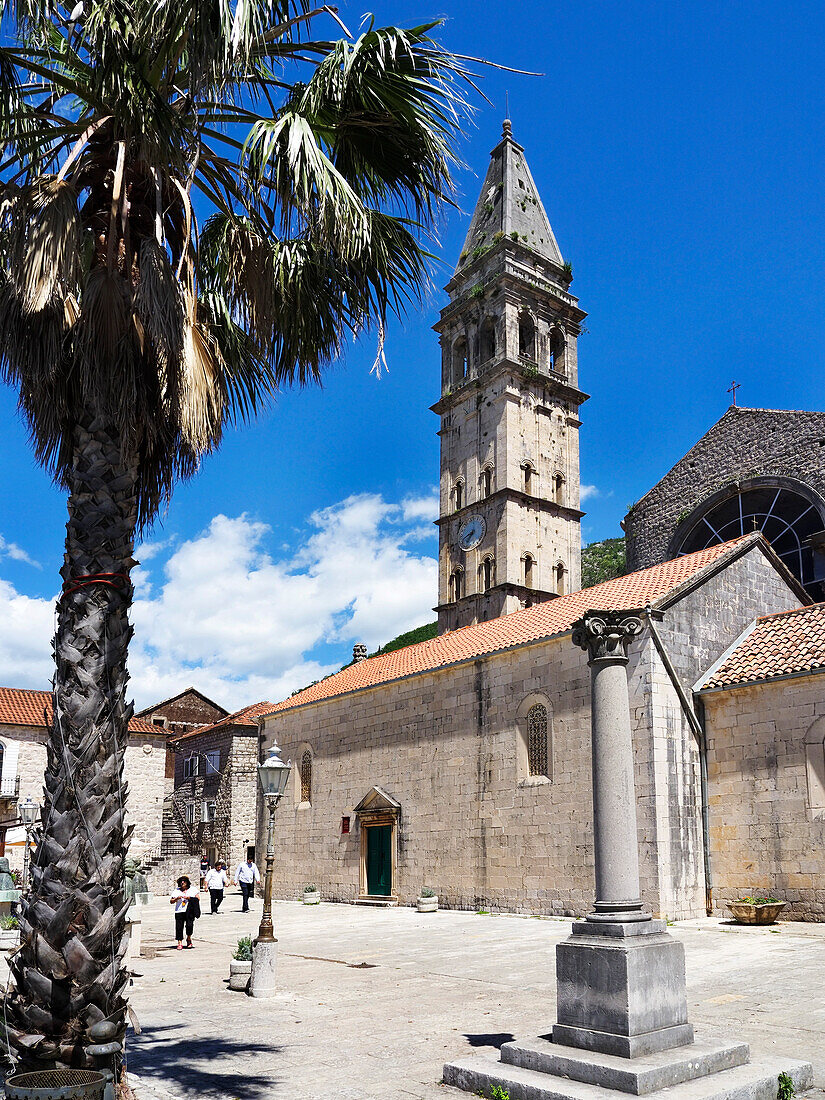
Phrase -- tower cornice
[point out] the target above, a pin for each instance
(557, 383)
(508, 493)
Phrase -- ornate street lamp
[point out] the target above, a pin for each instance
(27, 812)
(274, 776)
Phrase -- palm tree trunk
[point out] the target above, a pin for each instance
(69, 971)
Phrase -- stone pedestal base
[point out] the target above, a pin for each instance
(264, 958)
(133, 927)
(621, 989)
(543, 1070)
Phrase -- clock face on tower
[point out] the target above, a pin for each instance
(471, 532)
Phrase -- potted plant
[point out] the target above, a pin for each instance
(240, 965)
(9, 932)
(311, 895)
(755, 909)
(427, 900)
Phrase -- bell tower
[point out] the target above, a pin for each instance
(509, 518)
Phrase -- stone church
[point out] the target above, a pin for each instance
(462, 763)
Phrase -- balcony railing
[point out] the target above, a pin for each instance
(10, 786)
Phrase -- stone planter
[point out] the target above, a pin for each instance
(9, 939)
(745, 912)
(312, 897)
(240, 971)
(427, 905)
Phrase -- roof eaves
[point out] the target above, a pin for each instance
(418, 672)
(762, 681)
(714, 668)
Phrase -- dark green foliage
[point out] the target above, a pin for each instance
(601, 561)
(410, 637)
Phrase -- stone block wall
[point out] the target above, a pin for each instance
(766, 836)
(744, 444)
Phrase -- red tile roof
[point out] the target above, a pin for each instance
(244, 717)
(777, 645)
(24, 707)
(636, 590)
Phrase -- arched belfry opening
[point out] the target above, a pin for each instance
(488, 340)
(526, 336)
(461, 360)
(556, 346)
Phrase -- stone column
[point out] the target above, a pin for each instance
(620, 976)
(605, 637)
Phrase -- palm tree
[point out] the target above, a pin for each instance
(200, 204)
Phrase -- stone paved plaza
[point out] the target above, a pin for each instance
(374, 1001)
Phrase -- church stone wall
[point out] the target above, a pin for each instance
(744, 444)
(446, 746)
(765, 836)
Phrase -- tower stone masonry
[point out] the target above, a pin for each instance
(509, 517)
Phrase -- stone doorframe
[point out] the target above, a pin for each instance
(377, 808)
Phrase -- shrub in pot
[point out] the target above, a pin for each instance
(755, 909)
(240, 965)
(311, 895)
(9, 932)
(427, 900)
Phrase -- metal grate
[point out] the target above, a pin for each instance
(306, 777)
(537, 740)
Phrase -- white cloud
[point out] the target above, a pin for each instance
(220, 612)
(12, 550)
(588, 492)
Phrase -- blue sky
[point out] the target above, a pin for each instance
(679, 153)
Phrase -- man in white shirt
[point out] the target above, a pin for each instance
(246, 876)
(216, 880)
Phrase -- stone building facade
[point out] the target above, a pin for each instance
(509, 518)
(213, 808)
(463, 763)
(23, 738)
(755, 469)
(765, 716)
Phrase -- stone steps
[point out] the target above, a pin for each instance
(754, 1081)
(638, 1076)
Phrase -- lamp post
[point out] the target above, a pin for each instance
(274, 776)
(27, 811)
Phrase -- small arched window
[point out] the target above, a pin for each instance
(486, 481)
(526, 336)
(558, 488)
(529, 570)
(456, 584)
(537, 755)
(488, 339)
(460, 360)
(560, 571)
(487, 574)
(458, 494)
(306, 776)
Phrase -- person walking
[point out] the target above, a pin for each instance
(246, 876)
(187, 910)
(204, 869)
(216, 882)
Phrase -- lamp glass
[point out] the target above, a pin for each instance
(274, 773)
(28, 811)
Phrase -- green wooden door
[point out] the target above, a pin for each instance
(379, 860)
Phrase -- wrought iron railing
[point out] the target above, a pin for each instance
(10, 786)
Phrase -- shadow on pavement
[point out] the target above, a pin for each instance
(203, 1066)
(494, 1039)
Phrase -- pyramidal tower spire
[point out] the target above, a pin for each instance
(509, 518)
(509, 205)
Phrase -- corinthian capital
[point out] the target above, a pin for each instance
(606, 633)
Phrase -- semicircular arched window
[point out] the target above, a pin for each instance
(537, 756)
(306, 776)
(786, 518)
